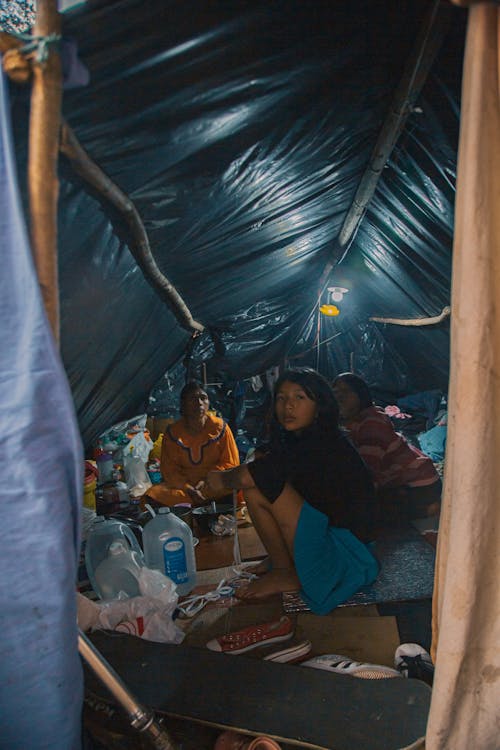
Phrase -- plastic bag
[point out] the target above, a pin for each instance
(148, 616)
(121, 433)
(140, 445)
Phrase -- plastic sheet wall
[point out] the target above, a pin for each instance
(240, 131)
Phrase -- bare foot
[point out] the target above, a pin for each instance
(260, 568)
(273, 582)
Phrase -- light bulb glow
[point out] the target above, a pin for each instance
(337, 293)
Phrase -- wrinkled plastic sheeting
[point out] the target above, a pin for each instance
(399, 264)
(240, 131)
(41, 690)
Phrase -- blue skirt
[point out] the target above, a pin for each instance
(331, 563)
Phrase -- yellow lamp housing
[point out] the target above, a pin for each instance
(330, 310)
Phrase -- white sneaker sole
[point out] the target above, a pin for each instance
(343, 665)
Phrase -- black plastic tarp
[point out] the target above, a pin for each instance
(241, 130)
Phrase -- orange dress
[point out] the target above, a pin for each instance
(186, 459)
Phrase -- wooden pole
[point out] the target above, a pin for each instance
(427, 45)
(139, 246)
(43, 184)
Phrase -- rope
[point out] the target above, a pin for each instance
(194, 604)
(40, 45)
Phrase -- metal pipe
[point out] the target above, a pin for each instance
(414, 76)
(141, 718)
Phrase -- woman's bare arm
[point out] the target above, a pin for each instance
(238, 478)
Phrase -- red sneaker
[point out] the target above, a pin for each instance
(253, 636)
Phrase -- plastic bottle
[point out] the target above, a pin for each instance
(100, 537)
(118, 572)
(104, 462)
(168, 547)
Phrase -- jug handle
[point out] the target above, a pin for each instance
(130, 524)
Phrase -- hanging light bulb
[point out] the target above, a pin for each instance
(337, 293)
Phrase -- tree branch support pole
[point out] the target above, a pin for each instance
(416, 70)
(108, 191)
(43, 184)
(432, 321)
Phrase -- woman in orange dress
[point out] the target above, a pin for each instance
(194, 445)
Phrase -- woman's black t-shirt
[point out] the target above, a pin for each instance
(327, 471)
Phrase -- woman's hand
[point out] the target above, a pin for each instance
(196, 494)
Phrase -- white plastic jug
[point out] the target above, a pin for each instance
(169, 548)
(118, 572)
(100, 537)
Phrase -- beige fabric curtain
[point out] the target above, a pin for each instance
(465, 709)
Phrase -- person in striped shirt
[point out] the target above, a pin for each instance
(403, 475)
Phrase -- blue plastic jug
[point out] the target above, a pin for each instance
(169, 548)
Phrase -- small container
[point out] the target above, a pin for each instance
(104, 462)
(154, 472)
(184, 512)
(89, 485)
(206, 515)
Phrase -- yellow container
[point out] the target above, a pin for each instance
(89, 485)
(89, 495)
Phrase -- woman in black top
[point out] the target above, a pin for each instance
(310, 497)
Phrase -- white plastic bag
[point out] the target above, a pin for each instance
(148, 616)
(136, 475)
(135, 456)
(140, 446)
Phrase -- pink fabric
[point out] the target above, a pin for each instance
(394, 411)
(391, 459)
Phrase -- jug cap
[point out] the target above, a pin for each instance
(165, 509)
(116, 548)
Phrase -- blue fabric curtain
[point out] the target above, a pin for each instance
(40, 486)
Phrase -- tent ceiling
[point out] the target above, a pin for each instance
(241, 132)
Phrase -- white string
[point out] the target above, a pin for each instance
(194, 604)
(236, 543)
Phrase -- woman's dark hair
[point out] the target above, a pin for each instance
(357, 385)
(191, 387)
(318, 390)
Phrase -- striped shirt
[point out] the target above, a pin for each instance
(391, 459)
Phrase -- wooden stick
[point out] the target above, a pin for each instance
(107, 190)
(43, 184)
(445, 313)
